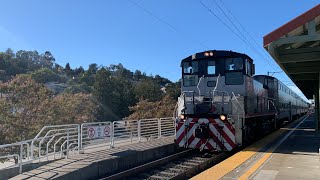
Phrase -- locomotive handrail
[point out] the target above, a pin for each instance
(199, 84)
(273, 106)
(219, 91)
(238, 103)
(175, 112)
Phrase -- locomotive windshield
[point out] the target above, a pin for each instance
(190, 73)
(234, 71)
(232, 68)
(190, 68)
(234, 64)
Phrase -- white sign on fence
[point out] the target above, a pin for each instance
(98, 131)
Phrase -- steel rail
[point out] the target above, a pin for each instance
(181, 165)
(147, 166)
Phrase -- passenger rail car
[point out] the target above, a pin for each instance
(224, 105)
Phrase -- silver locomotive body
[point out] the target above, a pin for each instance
(222, 105)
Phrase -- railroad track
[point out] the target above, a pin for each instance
(181, 165)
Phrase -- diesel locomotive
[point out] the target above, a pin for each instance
(223, 105)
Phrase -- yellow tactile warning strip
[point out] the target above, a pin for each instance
(247, 174)
(266, 155)
(226, 166)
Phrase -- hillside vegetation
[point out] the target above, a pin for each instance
(36, 91)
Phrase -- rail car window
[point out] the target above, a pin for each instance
(211, 70)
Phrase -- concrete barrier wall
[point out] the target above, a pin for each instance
(124, 160)
(11, 172)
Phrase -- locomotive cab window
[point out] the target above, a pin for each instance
(234, 64)
(190, 70)
(190, 80)
(234, 71)
(211, 69)
(190, 67)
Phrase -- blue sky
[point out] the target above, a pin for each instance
(118, 31)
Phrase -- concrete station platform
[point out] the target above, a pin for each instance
(291, 152)
(94, 164)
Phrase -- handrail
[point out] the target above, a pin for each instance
(67, 136)
(175, 112)
(238, 102)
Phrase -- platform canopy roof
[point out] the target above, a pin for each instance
(295, 46)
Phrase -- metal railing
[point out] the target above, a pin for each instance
(62, 139)
(70, 133)
(125, 132)
(96, 140)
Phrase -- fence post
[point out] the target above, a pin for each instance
(139, 130)
(28, 151)
(47, 151)
(67, 153)
(40, 150)
(79, 138)
(112, 135)
(159, 129)
(31, 149)
(20, 159)
(174, 126)
(131, 135)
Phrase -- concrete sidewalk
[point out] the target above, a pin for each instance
(296, 158)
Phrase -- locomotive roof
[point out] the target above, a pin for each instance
(269, 77)
(216, 54)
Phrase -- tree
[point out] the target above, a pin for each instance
(29, 106)
(93, 68)
(147, 89)
(115, 95)
(87, 78)
(9, 54)
(23, 110)
(120, 72)
(145, 109)
(77, 108)
(78, 88)
(160, 80)
(79, 71)
(125, 96)
(45, 75)
(68, 69)
(58, 69)
(103, 90)
(47, 60)
(137, 75)
(173, 90)
(29, 60)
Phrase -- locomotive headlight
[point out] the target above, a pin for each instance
(222, 117)
(181, 116)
